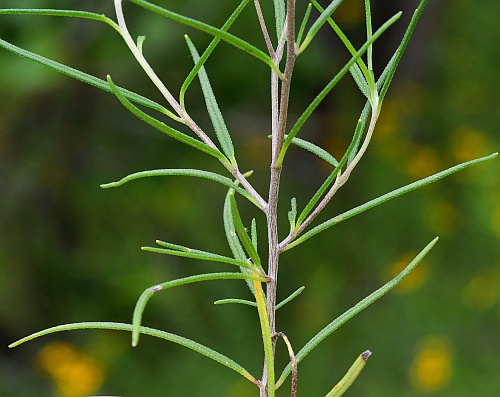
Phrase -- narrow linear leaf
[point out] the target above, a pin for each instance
(305, 115)
(290, 298)
(213, 108)
(253, 234)
(315, 149)
(292, 214)
(197, 254)
(230, 229)
(195, 346)
(267, 339)
(225, 36)
(149, 292)
(394, 62)
(182, 172)
(347, 43)
(240, 301)
(319, 23)
(242, 234)
(351, 375)
(181, 137)
(386, 197)
(60, 13)
(86, 78)
(209, 50)
(369, 33)
(360, 80)
(279, 17)
(363, 304)
(304, 24)
(233, 240)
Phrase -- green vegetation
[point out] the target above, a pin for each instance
(245, 211)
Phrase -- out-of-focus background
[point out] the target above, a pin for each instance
(70, 251)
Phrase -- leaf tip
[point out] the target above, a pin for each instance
(366, 355)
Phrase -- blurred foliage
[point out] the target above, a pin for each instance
(69, 251)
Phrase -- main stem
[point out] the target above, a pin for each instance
(279, 104)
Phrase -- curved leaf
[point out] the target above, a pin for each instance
(221, 34)
(86, 78)
(149, 292)
(182, 172)
(232, 300)
(363, 304)
(178, 250)
(172, 132)
(195, 346)
(291, 297)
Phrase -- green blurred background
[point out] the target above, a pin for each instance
(69, 251)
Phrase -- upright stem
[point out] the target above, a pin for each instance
(279, 115)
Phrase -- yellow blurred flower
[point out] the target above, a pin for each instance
(75, 374)
(431, 369)
(483, 290)
(422, 161)
(468, 143)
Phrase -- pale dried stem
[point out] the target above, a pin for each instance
(186, 119)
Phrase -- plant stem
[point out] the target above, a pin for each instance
(279, 122)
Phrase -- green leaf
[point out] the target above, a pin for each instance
(369, 33)
(319, 23)
(242, 234)
(386, 197)
(351, 375)
(233, 240)
(292, 214)
(394, 62)
(303, 118)
(291, 297)
(178, 250)
(230, 229)
(209, 50)
(195, 346)
(165, 128)
(221, 34)
(304, 24)
(360, 80)
(253, 234)
(86, 78)
(239, 301)
(346, 316)
(318, 151)
(149, 292)
(213, 108)
(368, 76)
(279, 16)
(182, 172)
(60, 13)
